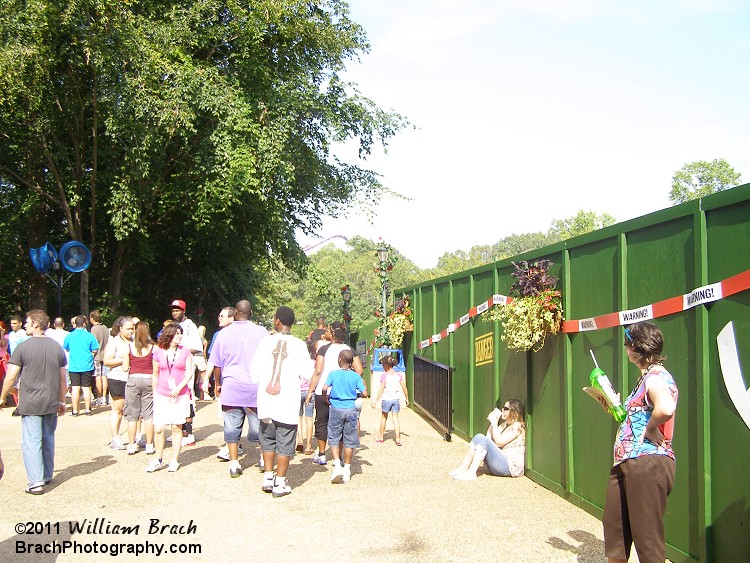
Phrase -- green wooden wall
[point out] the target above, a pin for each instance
(625, 266)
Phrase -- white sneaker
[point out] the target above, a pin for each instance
(188, 440)
(338, 474)
(320, 459)
(155, 465)
(223, 454)
(116, 444)
(132, 449)
(150, 449)
(267, 485)
(174, 465)
(169, 439)
(280, 490)
(347, 473)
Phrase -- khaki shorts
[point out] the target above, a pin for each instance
(139, 398)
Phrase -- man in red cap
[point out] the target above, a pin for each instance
(191, 340)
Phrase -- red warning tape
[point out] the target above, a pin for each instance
(699, 296)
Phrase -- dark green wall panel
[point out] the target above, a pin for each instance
(544, 402)
(484, 391)
(460, 342)
(729, 248)
(625, 266)
(593, 282)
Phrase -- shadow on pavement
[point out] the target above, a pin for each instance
(589, 549)
(85, 468)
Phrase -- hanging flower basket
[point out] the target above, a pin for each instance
(535, 311)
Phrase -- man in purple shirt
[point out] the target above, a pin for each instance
(232, 352)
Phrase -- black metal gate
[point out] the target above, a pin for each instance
(433, 393)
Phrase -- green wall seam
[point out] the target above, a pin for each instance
(567, 447)
(472, 357)
(703, 370)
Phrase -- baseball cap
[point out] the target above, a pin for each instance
(179, 304)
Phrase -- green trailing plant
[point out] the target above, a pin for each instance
(398, 323)
(535, 310)
(396, 326)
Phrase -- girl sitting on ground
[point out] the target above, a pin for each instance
(390, 382)
(502, 449)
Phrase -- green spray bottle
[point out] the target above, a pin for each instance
(600, 381)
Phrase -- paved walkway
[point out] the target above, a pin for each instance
(399, 506)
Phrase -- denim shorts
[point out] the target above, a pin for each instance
(278, 437)
(307, 410)
(234, 419)
(343, 423)
(393, 405)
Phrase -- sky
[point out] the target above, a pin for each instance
(527, 111)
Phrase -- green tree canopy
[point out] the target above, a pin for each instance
(318, 291)
(183, 142)
(579, 224)
(701, 178)
(459, 260)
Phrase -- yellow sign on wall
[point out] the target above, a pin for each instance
(484, 349)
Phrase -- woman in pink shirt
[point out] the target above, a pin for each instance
(173, 369)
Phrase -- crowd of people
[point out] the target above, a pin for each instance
(279, 384)
(267, 378)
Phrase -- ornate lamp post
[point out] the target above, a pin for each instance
(346, 295)
(383, 258)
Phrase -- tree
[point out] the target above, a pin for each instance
(701, 178)
(512, 245)
(183, 142)
(318, 291)
(515, 244)
(452, 262)
(580, 223)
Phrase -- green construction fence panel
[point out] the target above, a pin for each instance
(624, 268)
(728, 460)
(461, 358)
(484, 392)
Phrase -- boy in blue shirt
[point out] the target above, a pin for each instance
(82, 347)
(342, 386)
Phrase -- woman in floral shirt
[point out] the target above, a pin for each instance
(644, 463)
